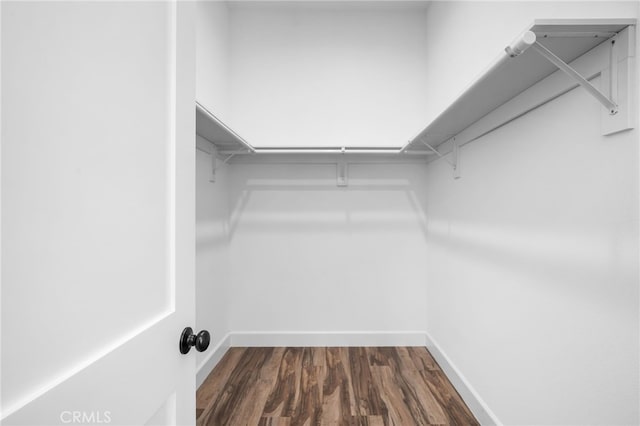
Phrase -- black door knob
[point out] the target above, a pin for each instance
(188, 339)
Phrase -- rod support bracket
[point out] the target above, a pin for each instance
(455, 156)
(455, 159)
(342, 172)
(215, 165)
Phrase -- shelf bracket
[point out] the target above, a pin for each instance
(455, 157)
(611, 106)
(342, 172)
(455, 152)
(215, 164)
(436, 152)
(619, 82)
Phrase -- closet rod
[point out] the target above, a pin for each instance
(333, 150)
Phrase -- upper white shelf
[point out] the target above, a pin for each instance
(229, 142)
(215, 131)
(510, 75)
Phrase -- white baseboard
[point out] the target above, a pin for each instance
(328, 338)
(473, 400)
(215, 355)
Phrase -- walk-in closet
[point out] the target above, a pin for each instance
(375, 213)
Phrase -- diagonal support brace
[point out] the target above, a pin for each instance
(225, 161)
(215, 166)
(551, 57)
(436, 152)
(455, 156)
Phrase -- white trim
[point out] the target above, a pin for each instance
(328, 338)
(476, 404)
(215, 355)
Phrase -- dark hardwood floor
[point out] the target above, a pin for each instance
(400, 386)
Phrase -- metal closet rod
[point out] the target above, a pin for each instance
(327, 150)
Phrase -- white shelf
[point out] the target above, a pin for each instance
(228, 142)
(503, 80)
(219, 134)
(509, 76)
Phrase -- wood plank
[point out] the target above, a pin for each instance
(337, 391)
(398, 412)
(234, 395)
(309, 408)
(213, 384)
(376, 420)
(441, 388)
(281, 402)
(365, 392)
(346, 367)
(417, 394)
(320, 362)
(422, 359)
(274, 421)
(250, 410)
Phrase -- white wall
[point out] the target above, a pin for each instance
(308, 256)
(212, 246)
(533, 253)
(328, 74)
(212, 253)
(213, 57)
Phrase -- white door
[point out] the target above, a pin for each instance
(97, 212)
